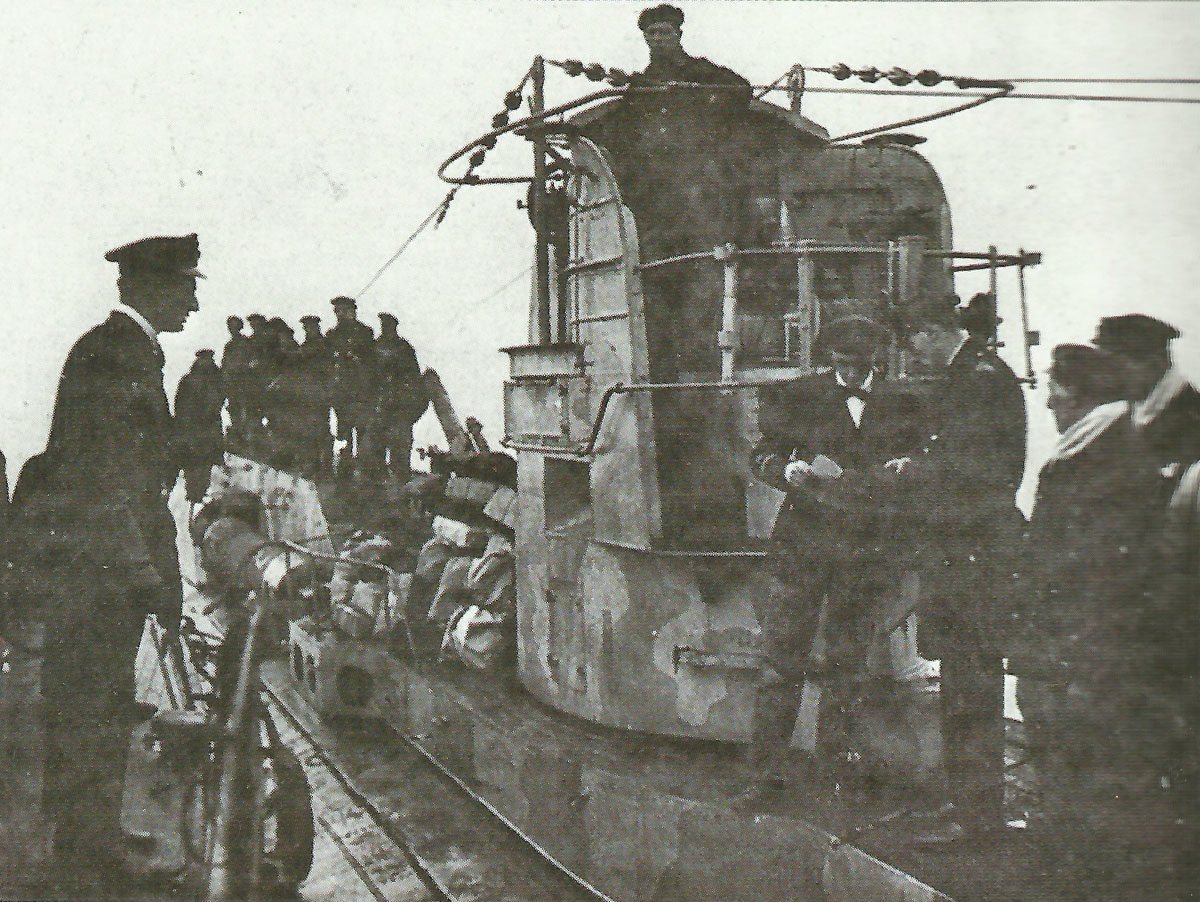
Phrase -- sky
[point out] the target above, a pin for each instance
(301, 141)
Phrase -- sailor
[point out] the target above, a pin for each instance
(96, 551)
(1104, 821)
(1166, 406)
(315, 355)
(298, 410)
(662, 27)
(235, 364)
(401, 397)
(351, 345)
(839, 444)
(260, 345)
(313, 344)
(198, 401)
(971, 547)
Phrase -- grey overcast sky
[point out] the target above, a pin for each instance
(300, 139)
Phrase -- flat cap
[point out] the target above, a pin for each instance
(343, 301)
(664, 12)
(1093, 373)
(256, 318)
(311, 318)
(388, 318)
(177, 254)
(852, 335)
(1134, 334)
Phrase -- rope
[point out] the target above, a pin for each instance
(435, 213)
(916, 120)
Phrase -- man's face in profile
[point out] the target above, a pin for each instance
(663, 39)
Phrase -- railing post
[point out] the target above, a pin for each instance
(806, 306)
(995, 299)
(726, 255)
(537, 203)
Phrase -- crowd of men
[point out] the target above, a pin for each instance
(280, 394)
(1092, 600)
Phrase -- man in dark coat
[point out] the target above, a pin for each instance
(971, 550)
(198, 401)
(235, 363)
(679, 157)
(261, 348)
(1166, 406)
(351, 346)
(839, 444)
(298, 407)
(315, 359)
(95, 542)
(401, 400)
(1104, 823)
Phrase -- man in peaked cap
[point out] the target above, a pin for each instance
(401, 397)
(96, 549)
(351, 349)
(1166, 406)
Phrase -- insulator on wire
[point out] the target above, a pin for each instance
(594, 71)
(929, 78)
(618, 77)
(870, 74)
(489, 143)
(512, 100)
(898, 76)
(477, 157)
(500, 120)
(840, 71)
(572, 67)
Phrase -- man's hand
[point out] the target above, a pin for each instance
(796, 473)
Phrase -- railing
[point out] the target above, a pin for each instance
(904, 257)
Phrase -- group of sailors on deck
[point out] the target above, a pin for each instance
(279, 394)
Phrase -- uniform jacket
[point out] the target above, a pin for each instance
(235, 366)
(351, 347)
(97, 496)
(198, 401)
(856, 514)
(976, 452)
(695, 70)
(402, 391)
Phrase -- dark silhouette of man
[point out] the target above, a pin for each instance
(97, 542)
(198, 401)
(351, 345)
(401, 397)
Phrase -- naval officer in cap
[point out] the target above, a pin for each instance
(351, 346)
(95, 542)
